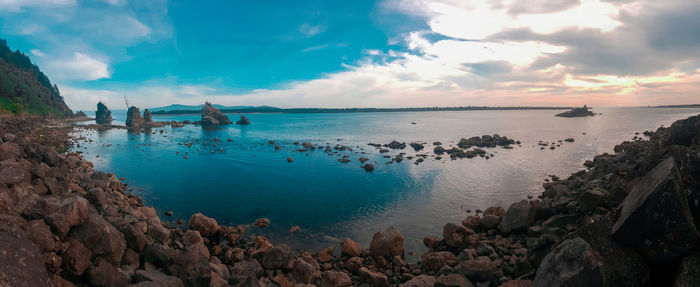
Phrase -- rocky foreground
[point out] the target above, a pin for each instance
(630, 220)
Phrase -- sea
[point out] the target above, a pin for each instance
(235, 175)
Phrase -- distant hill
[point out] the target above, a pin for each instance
(197, 108)
(25, 89)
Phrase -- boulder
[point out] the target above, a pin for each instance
(520, 216)
(350, 247)
(277, 257)
(40, 233)
(387, 243)
(306, 270)
(13, 172)
(101, 238)
(213, 116)
(193, 265)
(207, 226)
(655, 218)
(689, 272)
(454, 234)
(76, 258)
(325, 255)
(436, 260)
(103, 116)
(420, 281)
(72, 212)
(481, 269)
(335, 279)
(572, 263)
(377, 279)
(353, 264)
(489, 221)
(105, 274)
(133, 117)
(21, 261)
(158, 279)
(452, 280)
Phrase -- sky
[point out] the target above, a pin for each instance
(390, 53)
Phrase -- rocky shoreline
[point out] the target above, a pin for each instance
(629, 220)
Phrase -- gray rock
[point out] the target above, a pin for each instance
(520, 216)
(572, 263)
(655, 218)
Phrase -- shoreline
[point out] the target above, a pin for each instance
(501, 246)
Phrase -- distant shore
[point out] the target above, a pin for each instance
(272, 110)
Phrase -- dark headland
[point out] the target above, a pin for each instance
(577, 112)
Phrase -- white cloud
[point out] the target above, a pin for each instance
(311, 30)
(37, 52)
(78, 67)
(17, 5)
(115, 2)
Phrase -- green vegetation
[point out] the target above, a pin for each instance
(25, 89)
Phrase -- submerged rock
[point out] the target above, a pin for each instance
(213, 116)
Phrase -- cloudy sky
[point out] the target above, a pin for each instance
(392, 53)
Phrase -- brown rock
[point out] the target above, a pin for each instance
(306, 270)
(73, 211)
(101, 238)
(431, 242)
(495, 210)
(21, 261)
(375, 278)
(420, 281)
(191, 237)
(326, 255)
(76, 258)
(40, 233)
(105, 274)
(436, 260)
(353, 264)
(12, 172)
(213, 116)
(261, 222)
(471, 221)
(276, 257)
(452, 280)
(489, 221)
(205, 225)
(454, 234)
(335, 279)
(158, 279)
(350, 247)
(387, 243)
(481, 269)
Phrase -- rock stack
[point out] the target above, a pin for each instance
(103, 116)
(133, 118)
(147, 117)
(213, 116)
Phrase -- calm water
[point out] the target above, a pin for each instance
(249, 179)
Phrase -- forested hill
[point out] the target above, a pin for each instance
(25, 89)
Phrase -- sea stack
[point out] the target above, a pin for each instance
(103, 116)
(577, 112)
(147, 116)
(133, 117)
(243, 121)
(213, 116)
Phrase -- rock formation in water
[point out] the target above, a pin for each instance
(103, 116)
(147, 117)
(213, 116)
(133, 117)
(577, 112)
(243, 121)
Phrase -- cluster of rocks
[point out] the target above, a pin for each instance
(577, 112)
(553, 144)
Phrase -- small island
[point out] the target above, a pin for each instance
(577, 112)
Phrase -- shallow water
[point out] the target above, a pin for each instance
(249, 179)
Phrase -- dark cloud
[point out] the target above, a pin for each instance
(656, 40)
